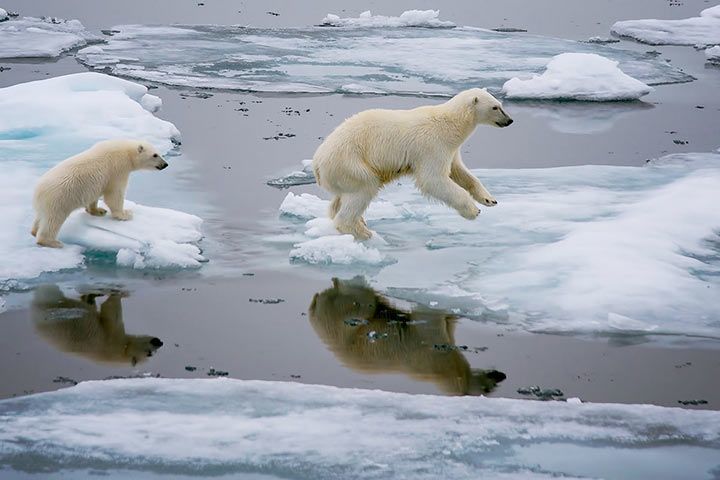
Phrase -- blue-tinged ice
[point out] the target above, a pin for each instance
(701, 31)
(30, 37)
(212, 428)
(55, 118)
(615, 250)
(358, 57)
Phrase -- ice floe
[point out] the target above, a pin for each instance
(3, 15)
(211, 428)
(61, 116)
(578, 76)
(702, 30)
(356, 59)
(409, 18)
(30, 37)
(582, 249)
(713, 54)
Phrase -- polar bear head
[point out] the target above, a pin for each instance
(486, 109)
(147, 158)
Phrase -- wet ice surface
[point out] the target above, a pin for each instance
(30, 37)
(702, 30)
(615, 250)
(232, 427)
(59, 117)
(356, 59)
(578, 76)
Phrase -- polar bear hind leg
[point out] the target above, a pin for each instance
(349, 217)
(48, 229)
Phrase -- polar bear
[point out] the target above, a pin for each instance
(375, 147)
(79, 181)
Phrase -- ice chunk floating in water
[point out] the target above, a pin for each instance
(357, 59)
(713, 55)
(409, 18)
(55, 118)
(41, 37)
(702, 30)
(211, 428)
(578, 76)
(571, 249)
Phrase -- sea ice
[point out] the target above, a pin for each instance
(578, 76)
(3, 15)
(58, 117)
(350, 59)
(713, 54)
(702, 30)
(213, 428)
(30, 37)
(409, 18)
(570, 249)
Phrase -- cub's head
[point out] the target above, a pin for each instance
(487, 109)
(147, 158)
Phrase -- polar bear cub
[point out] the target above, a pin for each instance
(79, 181)
(375, 147)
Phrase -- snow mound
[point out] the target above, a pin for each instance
(578, 76)
(713, 54)
(31, 37)
(383, 60)
(205, 428)
(702, 30)
(59, 117)
(409, 18)
(334, 248)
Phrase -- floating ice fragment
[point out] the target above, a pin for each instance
(409, 18)
(409, 61)
(200, 427)
(713, 54)
(30, 37)
(337, 249)
(578, 76)
(702, 30)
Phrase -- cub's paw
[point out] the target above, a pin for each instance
(124, 215)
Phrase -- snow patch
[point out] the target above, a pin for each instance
(578, 76)
(409, 18)
(702, 30)
(713, 54)
(30, 37)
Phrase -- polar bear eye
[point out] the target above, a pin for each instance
(155, 155)
(495, 108)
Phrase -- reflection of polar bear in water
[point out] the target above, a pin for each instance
(408, 347)
(76, 326)
(374, 147)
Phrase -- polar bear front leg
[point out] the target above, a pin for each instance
(451, 194)
(94, 210)
(460, 174)
(115, 200)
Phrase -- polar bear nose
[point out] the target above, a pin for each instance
(163, 165)
(509, 122)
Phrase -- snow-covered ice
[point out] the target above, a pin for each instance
(30, 37)
(353, 59)
(222, 427)
(59, 117)
(702, 30)
(572, 249)
(3, 15)
(578, 76)
(409, 18)
(713, 54)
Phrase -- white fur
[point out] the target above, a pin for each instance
(79, 181)
(375, 147)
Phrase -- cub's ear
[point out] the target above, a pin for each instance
(476, 100)
(140, 148)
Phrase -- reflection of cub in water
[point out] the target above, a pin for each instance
(345, 314)
(77, 326)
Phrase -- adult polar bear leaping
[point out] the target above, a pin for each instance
(375, 147)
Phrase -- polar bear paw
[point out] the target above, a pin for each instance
(96, 212)
(124, 215)
(488, 201)
(470, 212)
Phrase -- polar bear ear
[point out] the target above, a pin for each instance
(140, 148)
